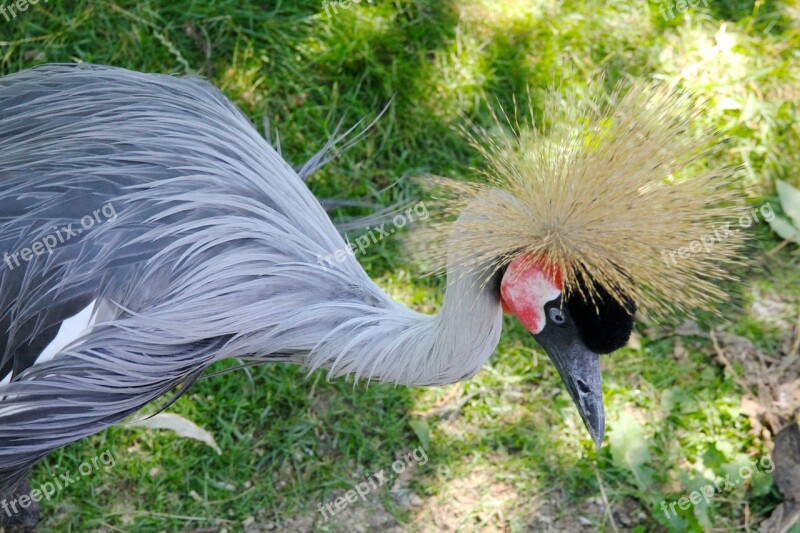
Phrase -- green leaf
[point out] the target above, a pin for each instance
(629, 449)
(673, 399)
(790, 201)
(761, 484)
(420, 428)
(713, 457)
(751, 108)
(784, 229)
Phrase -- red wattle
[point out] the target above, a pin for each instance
(525, 289)
(504, 305)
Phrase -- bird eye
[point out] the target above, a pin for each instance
(557, 316)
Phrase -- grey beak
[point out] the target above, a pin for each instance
(579, 368)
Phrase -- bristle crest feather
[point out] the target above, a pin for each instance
(600, 194)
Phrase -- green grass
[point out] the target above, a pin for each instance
(514, 456)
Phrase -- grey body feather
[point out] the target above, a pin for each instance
(213, 253)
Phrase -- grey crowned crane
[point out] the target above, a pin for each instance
(148, 231)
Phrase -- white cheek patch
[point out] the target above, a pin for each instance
(525, 291)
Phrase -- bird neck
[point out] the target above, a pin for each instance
(467, 327)
(392, 343)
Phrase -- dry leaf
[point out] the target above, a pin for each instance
(182, 426)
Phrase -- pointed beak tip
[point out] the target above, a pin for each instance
(598, 440)
(593, 415)
(587, 394)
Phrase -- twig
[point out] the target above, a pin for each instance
(726, 362)
(777, 249)
(456, 408)
(603, 496)
(442, 404)
(228, 500)
(796, 343)
(791, 518)
(172, 516)
(114, 528)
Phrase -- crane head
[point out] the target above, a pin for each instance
(583, 208)
(574, 330)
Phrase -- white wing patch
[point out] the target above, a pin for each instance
(71, 329)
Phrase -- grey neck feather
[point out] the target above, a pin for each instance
(397, 345)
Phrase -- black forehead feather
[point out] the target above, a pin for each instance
(604, 325)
